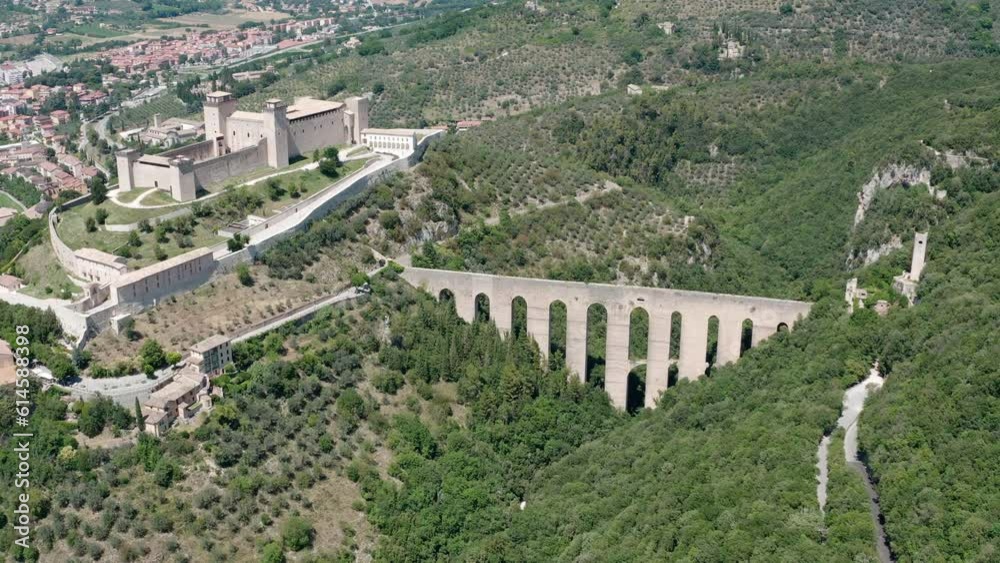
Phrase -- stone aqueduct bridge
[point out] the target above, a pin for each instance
(695, 308)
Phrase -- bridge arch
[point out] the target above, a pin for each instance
(712, 344)
(597, 341)
(446, 295)
(746, 336)
(638, 334)
(635, 389)
(676, 326)
(558, 334)
(518, 316)
(482, 308)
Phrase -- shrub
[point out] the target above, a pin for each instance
(243, 273)
(297, 533)
(388, 381)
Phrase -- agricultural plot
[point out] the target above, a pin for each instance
(458, 78)
(166, 105)
(229, 20)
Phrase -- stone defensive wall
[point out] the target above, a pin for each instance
(298, 217)
(195, 151)
(694, 307)
(212, 170)
(64, 254)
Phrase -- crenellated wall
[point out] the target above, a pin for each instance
(219, 169)
(696, 309)
(195, 151)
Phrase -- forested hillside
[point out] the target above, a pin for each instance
(723, 470)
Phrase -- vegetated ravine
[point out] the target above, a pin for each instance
(854, 403)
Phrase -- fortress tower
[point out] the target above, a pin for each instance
(276, 132)
(125, 159)
(357, 110)
(919, 255)
(906, 283)
(219, 106)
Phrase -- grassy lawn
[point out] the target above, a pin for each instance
(255, 174)
(7, 201)
(159, 197)
(145, 255)
(73, 231)
(308, 183)
(43, 276)
(132, 195)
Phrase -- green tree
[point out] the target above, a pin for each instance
(152, 354)
(99, 190)
(140, 420)
(272, 553)
(297, 533)
(329, 168)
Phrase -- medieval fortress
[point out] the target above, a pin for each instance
(237, 142)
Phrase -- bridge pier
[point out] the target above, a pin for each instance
(576, 340)
(538, 324)
(694, 346)
(616, 361)
(465, 305)
(730, 334)
(657, 358)
(762, 333)
(502, 313)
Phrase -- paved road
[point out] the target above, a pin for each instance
(122, 390)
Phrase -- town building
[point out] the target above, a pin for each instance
(8, 371)
(6, 214)
(181, 399)
(211, 355)
(398, 142)
(237, 142)
(10, 283)
(174, 131)
(97, 266)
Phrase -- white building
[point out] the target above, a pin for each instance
(398, 142)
